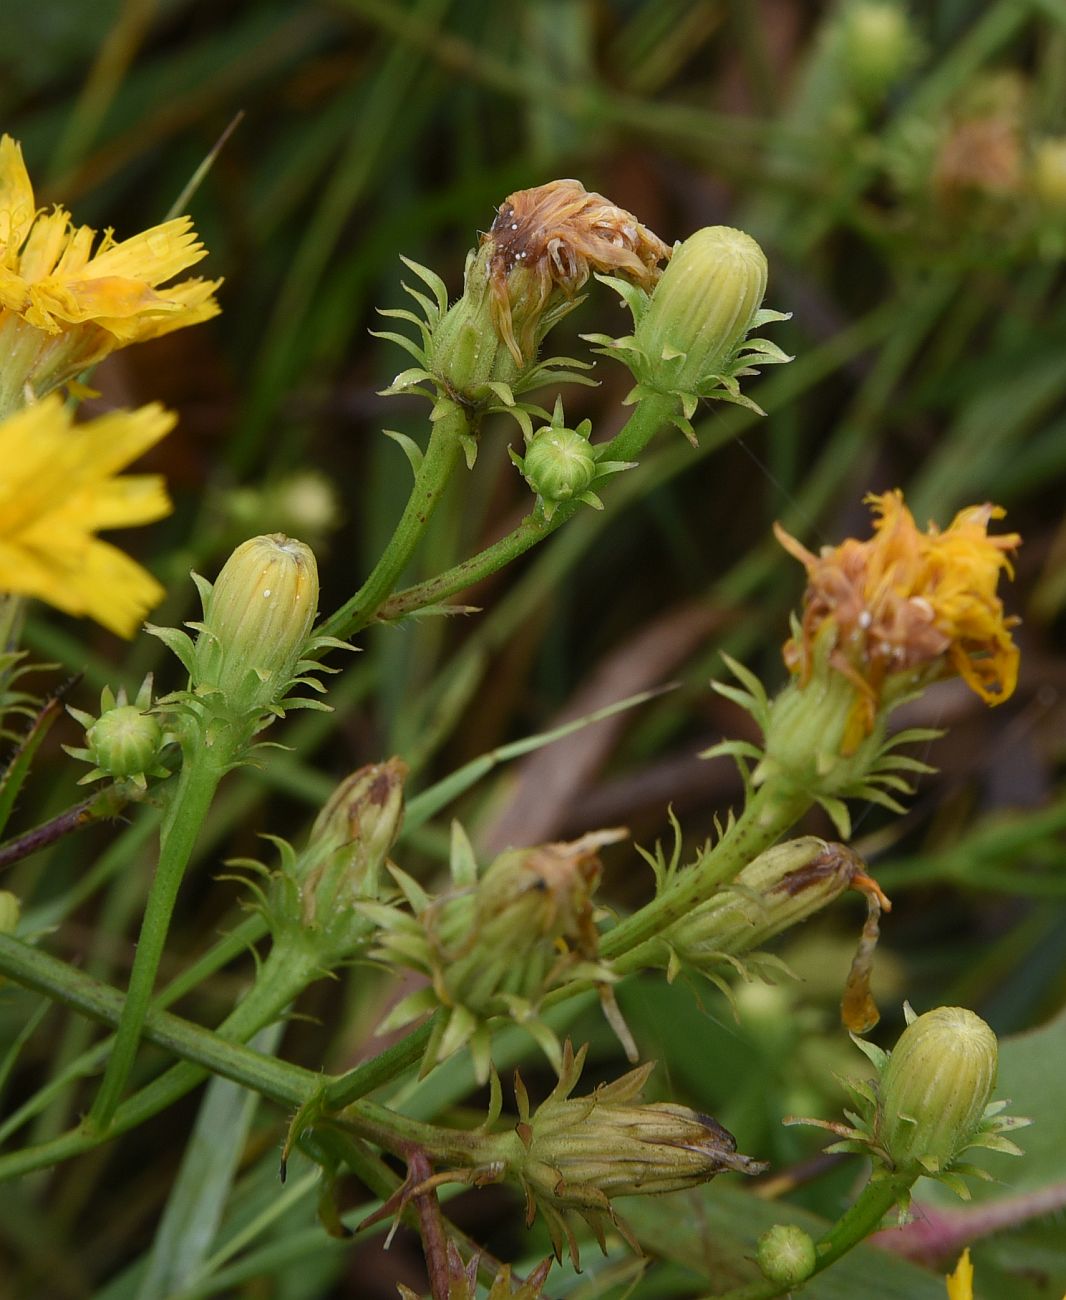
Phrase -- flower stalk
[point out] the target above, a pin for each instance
(432, 477)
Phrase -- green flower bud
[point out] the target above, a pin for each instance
(125, 742)
(780, 888)
(360, 822)
(1047, 176)
(786, 1254)
(315, 894)
(579, 1153)
(701, 309)
(935, 1088)
(257, 617)
(559, 464)
(10, 911)
(877, 46)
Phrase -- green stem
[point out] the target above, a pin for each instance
(102, 806)
(766, 818)
(864, 1217)
(650, 416)
(199, 779)
(438, 464)
(374, 1074)
(286, 971)
(398, 1133)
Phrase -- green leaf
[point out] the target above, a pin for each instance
(198, 1196)
(713, 1232)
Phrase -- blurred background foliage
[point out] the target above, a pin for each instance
(906, 175)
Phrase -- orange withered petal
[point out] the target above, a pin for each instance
(904, 599)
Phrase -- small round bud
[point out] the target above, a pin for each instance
(125, 741)
(935, 1088)
(702, 308)
(559, 464)
(786, 1255)
(257, 618)
(10, 910)
(877, 46)
(362, 818)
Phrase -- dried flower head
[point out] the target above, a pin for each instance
(982, 153)
(554, 236)
(496, 944)
(64, 306)
(906, 601)
(579, 1153)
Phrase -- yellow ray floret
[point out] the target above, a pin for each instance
(58, 485)
(960, 1283)
(905, 600)
(87, 300)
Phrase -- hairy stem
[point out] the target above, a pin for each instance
(283, 975)
(857, 1223)
(438, 464)
(767, 817)
(629, 442)
(98, 807)
(197, 784)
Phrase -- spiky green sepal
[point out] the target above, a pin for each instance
(495, 945)
(929, 1102)
(125, 743)
(561, 464)
(460, 359)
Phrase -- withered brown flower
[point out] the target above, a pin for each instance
(905, 599)
(550, 239)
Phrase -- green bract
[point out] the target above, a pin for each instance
(125, 742)
(561, 464)
(689, 336)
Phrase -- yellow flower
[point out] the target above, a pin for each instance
(906, 601)
(58, 485)
(64, 306)
(960, 1283)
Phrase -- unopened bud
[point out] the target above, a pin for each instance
(877, 46)
(359, 823)
(702, 308)
(578, 1153)
(559, 464)
(935, 1088)
(1048, 174)
(786, 1255)
(257, 617)
(125, 742)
